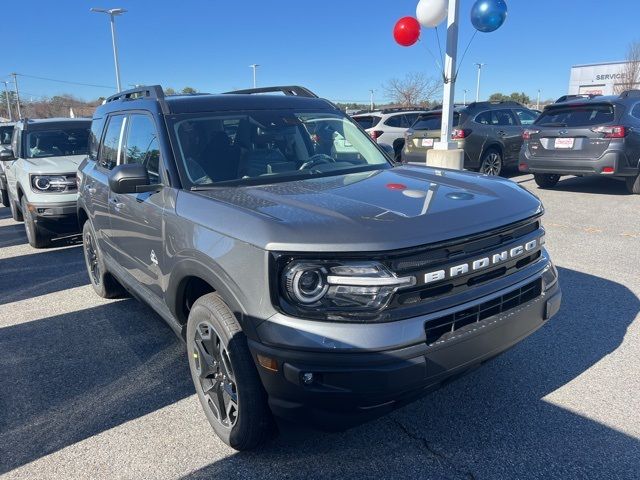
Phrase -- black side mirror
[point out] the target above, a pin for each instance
(130, 178)
(7, 155)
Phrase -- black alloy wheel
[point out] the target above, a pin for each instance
(491, 163)
(216, 375)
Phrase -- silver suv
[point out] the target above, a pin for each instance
(40, 168)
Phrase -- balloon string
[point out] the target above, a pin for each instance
(465, 52)
(441, 55)
(435, 60)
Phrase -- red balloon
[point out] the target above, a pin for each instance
(407, 31)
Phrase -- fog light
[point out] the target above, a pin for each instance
(308, 378)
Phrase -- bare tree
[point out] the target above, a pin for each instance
(414, 89)
(631, 70)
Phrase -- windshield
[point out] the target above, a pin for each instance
(5, 135)
(270, 146)
(433, 122)
(576, 116)
(57, 142)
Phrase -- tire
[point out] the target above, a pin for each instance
(37, 236)
(633, 184)
(101, 280)
(225, 376)
(16, 214)
(546, 180)
(4, 197)
(491, 163)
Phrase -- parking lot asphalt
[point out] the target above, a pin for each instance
(91, 388)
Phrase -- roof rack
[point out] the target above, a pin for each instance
(506, 103)
(630, 93)
(289, 90)
(402, 109)
(152, 91)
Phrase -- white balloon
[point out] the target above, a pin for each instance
(431, 13)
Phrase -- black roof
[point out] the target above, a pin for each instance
(153, 98)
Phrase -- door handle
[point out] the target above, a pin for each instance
(502, 133)
(117, 204)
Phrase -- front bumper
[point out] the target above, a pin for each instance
(61, 217)
(352, 387)
(577, 166)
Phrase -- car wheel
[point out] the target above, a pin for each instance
(101, 280)
(37, 236)
(4, 198)
(16, 214)
(225, 376)
(633, 184)
(491, 163)
(546, 180)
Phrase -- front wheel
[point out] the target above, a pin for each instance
(491, 163)
(546, 180)
(37, 236)
(16, 214)
(224, 375)
(4, 197)
(101, 280)
(633, 184)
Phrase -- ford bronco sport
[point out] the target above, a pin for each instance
(41, 169)
(312, 280)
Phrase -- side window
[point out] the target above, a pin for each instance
(111, 145)
(635, 112)
(484, 118)
(411, 118)
(395, 121)
(503, 118)
(142, 145)
(94, 137)
(526, 117)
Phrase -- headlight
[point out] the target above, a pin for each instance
(52, 183)
(337, 290)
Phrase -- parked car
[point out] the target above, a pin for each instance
(388, 126)
(6, 132)
(490, 133)
(271, 255)
(597, 136)
(41, 169)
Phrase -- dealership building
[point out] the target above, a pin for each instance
(597, 78)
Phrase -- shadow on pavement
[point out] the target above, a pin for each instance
(12, 235)
(5, 212)
(40, 273)
(493, 423)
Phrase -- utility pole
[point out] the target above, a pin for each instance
(15, 82)
(464, 100)
(450, 77)
(255, 67)
(6, 94)
(371, 103)
(479, 65)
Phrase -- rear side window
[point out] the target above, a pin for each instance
(368, 121)
(483, 118)
(112, 144)
(142, 145)
(576, 116)
(503, 118)
(5, 135)
(526, 117)
(94, 137)
(397, 121)
(433, 122)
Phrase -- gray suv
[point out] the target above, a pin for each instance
(312, 280)
(6, 132)
(490, 133)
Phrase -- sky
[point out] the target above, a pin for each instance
(338, 48)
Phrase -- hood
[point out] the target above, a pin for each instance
(62, 164)
(373, 211)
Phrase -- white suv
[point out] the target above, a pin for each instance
(388, 126)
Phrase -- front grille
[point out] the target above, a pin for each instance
(441, 329)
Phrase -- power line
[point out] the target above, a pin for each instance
(66, 81)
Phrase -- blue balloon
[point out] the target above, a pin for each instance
(488, 15)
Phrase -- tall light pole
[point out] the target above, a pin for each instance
(479, 65)
(255, 67)
(464, 97)
(15, 82)
(6, 93)
(538, 102)
(113, 13)
(372, 91)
